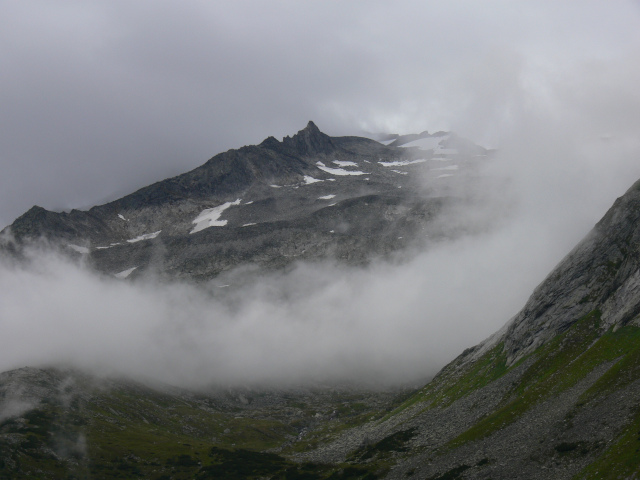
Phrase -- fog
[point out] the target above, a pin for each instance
(558, 98)
(384, 324)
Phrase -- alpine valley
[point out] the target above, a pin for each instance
(553, 394)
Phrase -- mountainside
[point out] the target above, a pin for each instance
(553, 394)
(308, 197)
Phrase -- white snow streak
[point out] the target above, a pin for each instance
(402, 163)
(146, 236)
(342, 163)
(339, 171)
(309, 180)
(209, 217)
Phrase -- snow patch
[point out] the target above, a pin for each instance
(249, 224)
(338, 171)
(401, 173)
(275, 186)
(146, 236)
(326, 197)
(125, 273)
(210, 216)
(402, 163)
(309, 180)
(342, 163)
(122, 217)
(445, 175)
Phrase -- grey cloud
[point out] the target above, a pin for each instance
(100, 98)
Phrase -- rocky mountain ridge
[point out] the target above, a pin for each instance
(308, 197)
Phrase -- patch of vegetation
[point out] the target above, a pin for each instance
(558, 365)
(242, 464)
(446, 389)
(352, 473)
(393, 443)
(577, 448)
(453, 474)
(624, 344)
(620, 460)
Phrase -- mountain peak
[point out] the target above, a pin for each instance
(310, 141)
(311, 127)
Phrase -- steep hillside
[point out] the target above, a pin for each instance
(554, 394)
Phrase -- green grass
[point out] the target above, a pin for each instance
(561, 364)
(558, 365)
(620, 460)
(445, 389)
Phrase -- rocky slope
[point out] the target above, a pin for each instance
(308, 197)
(552, 395)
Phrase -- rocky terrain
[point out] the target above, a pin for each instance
(309, 197)
(553, 394)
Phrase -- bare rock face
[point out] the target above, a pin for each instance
(602, 272)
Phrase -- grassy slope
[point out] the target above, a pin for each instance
(129, 433)
(140, 433)
(552, 369)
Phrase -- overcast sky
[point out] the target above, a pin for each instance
(99, 98)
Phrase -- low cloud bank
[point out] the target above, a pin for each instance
(383, 324)
(569, 150)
